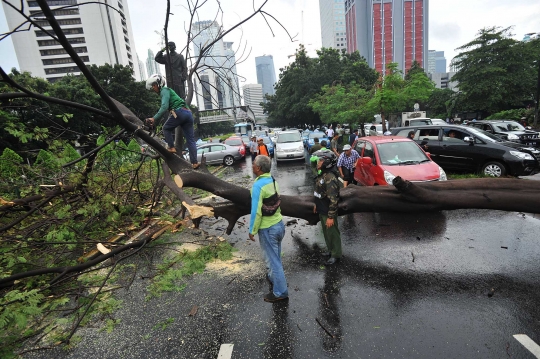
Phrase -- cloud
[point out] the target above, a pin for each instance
(444, 31)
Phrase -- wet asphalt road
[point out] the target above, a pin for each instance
(455, 284)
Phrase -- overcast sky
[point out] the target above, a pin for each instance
(451, 24)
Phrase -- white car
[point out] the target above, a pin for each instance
(289, 146)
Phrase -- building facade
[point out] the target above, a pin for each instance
(216, 85)
(152, 67)
(253, 96)
(142, 70)
(386, 31)
(443, 80)
(99, 34)
(266, 74)
(333, 32)
(436, 62)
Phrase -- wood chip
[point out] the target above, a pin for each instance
(103, 249)
(193, 311)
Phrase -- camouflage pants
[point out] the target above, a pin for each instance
(332, 236)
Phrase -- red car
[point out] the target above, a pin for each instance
(237, 142)
(383, 158)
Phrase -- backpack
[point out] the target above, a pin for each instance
(271, 204)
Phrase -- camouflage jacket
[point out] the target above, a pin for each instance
(327, 194)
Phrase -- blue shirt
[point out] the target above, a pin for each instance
(262, 188)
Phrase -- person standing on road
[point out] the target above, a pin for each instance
(330, 132)
(263, 149)
(253, 147)
(346, 164)
(313, 159)
(266, 221)
(326, 203)
(334, 145)
(353, 138)
(316, 146)
(180, 115)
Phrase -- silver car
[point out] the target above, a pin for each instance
(218, 153)
(289, 146)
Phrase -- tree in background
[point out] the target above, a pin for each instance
(439, 103)
(496, 72)
(301, 81)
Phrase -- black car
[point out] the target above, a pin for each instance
(465, 148)
(509, 131)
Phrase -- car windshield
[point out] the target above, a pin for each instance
(508, 126)
(401, 153)
(484, 136)
(234, 142)
(289, 137)
(317, 135)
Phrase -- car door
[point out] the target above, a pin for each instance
(215, 155)
(365, 173)
(202, 150)
(428, 139)
(458, 154)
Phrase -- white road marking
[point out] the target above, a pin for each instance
(529, 344)
(225, 351)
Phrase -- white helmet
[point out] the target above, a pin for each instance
(156, 79)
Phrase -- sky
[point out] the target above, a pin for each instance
(451, 24)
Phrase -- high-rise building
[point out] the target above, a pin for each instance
(218, 85)
(253, 96)
(152, 67)
(443, 80)
(386, 31)
(333, 32)
(142, 71)
(436, 62)
(99, 34)
(266, 73)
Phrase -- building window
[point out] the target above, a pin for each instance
(126, 39)
(120, 6)
(63, 60)
(77, 31)
(62, 12)
(73, 40)
(53, 52)
(61, 70)
(53, 3)
(129, 56)
(128, 48)
(62, 22)
(130, 64)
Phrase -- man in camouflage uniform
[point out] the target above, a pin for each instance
(326, 203)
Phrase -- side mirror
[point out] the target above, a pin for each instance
(468, 139)
(366, 160)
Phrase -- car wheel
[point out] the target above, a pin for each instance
(228, 160)
(493, 169)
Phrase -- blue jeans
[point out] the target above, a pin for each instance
(270, 239)
(184, 119)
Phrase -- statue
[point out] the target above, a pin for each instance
(178, 67)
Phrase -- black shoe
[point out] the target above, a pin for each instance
(332, 260)
(271, 298)
(325, 254)
(270, 284)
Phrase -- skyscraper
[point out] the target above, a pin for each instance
(98, 34)
(386, 31)
(333, 24)
(253, 96)
(142, 71)
(152, 67)
(436, 62)
(266, 73)
(218, 85)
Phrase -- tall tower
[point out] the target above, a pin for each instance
(142, 71)
(385, 31)
(99, 34)
(218, 85)
(333, 32)
(266, 73)
(253, 96)
(152, 67)
(436, 62)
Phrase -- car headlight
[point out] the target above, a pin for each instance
(522, 155)
(442, 175)
(300, 148)
(388, 177)
(513, 137)
(278, 148)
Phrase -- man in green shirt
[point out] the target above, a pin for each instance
(179, 115)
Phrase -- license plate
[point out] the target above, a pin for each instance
(290, 156)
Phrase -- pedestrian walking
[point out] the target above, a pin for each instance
(179, 115)
(253, 147)
(347, 163)
(266, 221)
(263, 149)
(334, 144)
(353, 138)
(313, 159)
(326, 203)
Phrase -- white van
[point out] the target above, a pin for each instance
(289, 146)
